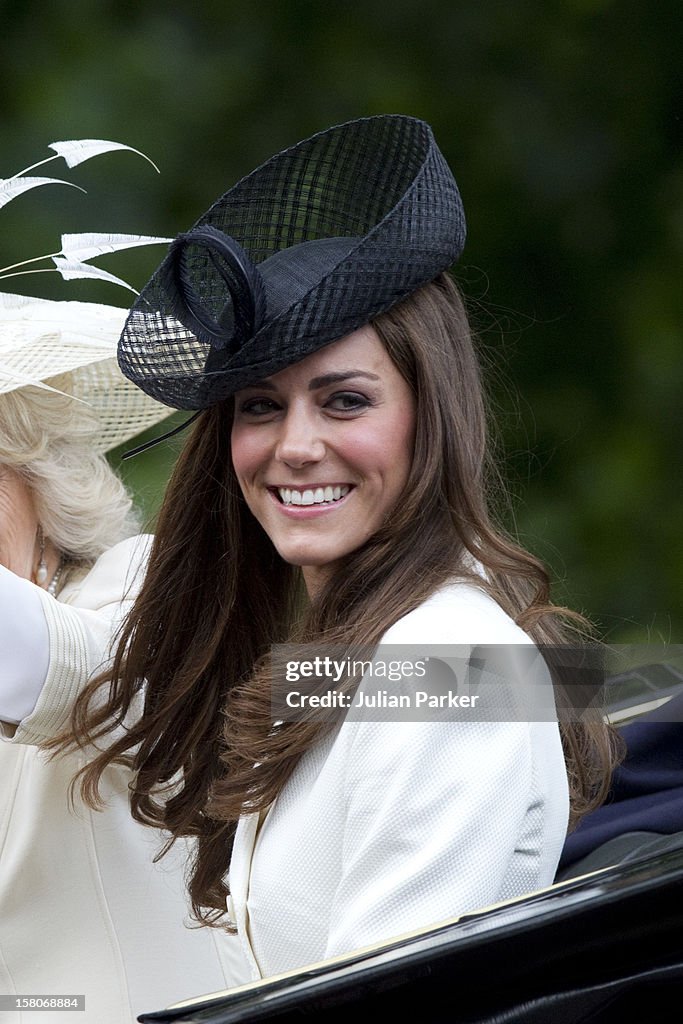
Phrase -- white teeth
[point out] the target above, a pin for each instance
(319, 496)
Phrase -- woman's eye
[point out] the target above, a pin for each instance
(348, 401)
(258, 406)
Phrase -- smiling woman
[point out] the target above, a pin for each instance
(333, 494)
(322, 451)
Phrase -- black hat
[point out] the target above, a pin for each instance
(308, 247)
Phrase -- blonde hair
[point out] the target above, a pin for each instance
(48, 438)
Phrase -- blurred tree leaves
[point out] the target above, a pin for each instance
(562, 122)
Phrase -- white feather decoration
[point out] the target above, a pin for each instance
(72, 270)
(88, 245)
(10, 188)
(77, 151)
(70, 262)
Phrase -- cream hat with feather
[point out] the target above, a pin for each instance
(70, 347)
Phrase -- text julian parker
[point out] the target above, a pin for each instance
(381, 699)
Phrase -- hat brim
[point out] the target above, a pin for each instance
(70, 347)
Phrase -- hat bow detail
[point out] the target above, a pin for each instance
(233, 305)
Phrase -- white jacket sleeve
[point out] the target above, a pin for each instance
(82, 628)
(24, 646)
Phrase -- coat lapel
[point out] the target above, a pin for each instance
(240, 867)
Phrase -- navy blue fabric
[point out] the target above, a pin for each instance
(647, 790)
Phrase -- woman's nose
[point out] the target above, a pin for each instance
(300, 441)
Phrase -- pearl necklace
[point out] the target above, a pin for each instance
(41, 571)
(52, 585)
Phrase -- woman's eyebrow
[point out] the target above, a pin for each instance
(336, 378)
(260, 385)
(315, 382)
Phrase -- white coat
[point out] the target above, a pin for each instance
(83, 908)
(387, 827)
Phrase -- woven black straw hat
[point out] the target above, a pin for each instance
(302, 251)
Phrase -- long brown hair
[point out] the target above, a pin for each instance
(216, 597)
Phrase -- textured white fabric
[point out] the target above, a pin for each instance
(387, 827)
(24, 646)
(83, 909)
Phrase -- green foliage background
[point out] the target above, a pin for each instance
(562, 122)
